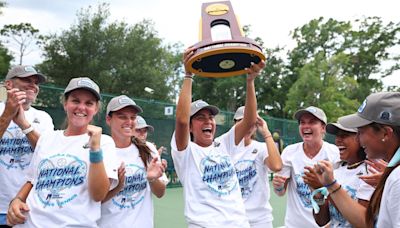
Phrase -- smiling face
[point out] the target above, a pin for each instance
(122, 123)
(30, 85)
(80, 106)
(141, 133)
(371, 140)
(348, 145)
(203, 127)
(311, 129)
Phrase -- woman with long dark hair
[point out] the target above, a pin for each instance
(353, 166)
(378, 123)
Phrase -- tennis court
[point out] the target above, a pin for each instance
(168, 211)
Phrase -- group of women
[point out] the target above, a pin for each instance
(81, 177)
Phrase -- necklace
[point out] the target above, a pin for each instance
(354, 165)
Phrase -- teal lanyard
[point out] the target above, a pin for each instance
(395, 159)
(324, 192)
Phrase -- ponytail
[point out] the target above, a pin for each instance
(144, 150)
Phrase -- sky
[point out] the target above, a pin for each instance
(178, 20)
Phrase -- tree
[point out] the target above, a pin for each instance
(367, 43)
(120, 58)
(5, 56)
(322, 83)
(5, 60)
(23, 36)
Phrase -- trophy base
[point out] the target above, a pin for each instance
(224, 59)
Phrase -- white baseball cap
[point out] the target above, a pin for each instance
(121, 102)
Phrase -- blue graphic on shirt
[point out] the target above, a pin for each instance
(57, 176)
(303, 190)
(134, 189)
(219, 174)
(336, 217)
(246, 172)
(15, 150)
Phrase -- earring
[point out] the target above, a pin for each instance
(383, 140)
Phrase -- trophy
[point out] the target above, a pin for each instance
(223, 51)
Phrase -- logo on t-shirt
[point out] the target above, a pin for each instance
(15, 149)
(246, 172)
(59, 178)
(303, 190)
(336, 217)
(219, 174)
(134, 188)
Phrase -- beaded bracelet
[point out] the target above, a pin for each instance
(96, 156)
(279, 189)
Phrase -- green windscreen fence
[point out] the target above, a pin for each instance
(161, 116)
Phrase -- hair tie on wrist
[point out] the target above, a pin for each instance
(328, 185)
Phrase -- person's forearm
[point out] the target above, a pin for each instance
(99, 183)
(5, 120)
(351, 210)
(323, 217)
(274, 161)
(158, 188)
(112, 193)
(24, 191)
(250, 111)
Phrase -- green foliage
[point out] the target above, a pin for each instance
(321, 83)
(120, 58)
(23, 36)
(2, 4)
(5, 60)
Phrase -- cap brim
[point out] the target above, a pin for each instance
(151, 128)
(353, 121)
(41, 77)
(301, 112)
(334, 128)
(136, 107)
(95, 93)
(213, 109)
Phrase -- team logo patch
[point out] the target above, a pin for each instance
(362, 107)
(385, 115)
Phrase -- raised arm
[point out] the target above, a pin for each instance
(182, 124)
(98, 181)
(15, 99)
(250, 110)
(274, 160)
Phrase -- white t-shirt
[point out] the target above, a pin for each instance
(299, 208)
(133, 205)
(253, 180)
(210, 185)
(389, 212)
(59, 173)
(354, 186)
(16, 153)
